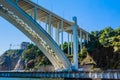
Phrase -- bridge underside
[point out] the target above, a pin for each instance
(25, 23)
(43, 15)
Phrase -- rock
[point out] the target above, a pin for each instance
(9, 59)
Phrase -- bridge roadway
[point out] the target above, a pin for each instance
(66, 75)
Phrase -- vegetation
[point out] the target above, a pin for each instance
(103, 47)
(33, 57)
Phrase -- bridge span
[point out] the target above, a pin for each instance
(109, 75)
(26, 16)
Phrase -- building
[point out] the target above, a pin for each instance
(24, 45)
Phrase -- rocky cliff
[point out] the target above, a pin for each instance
(30, 59)
(9, 59)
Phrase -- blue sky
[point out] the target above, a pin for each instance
(92, 15)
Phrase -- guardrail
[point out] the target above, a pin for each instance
(77, 75)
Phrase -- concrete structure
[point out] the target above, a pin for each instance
(24, 45)
(75, 44)
(109, 75)
(25, 15)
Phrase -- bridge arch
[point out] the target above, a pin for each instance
(25, 23)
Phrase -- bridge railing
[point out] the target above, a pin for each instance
(78, 75)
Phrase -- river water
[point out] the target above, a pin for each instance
(19, 79)
(28, 79)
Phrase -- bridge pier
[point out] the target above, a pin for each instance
(71, 44)
(80, 39)
(75, 44)
(68, 45)
(57, 33)
(46, 24)
(35, 13)
(62, 29)
(49, 24)
(87, 37)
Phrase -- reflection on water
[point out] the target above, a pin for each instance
(29, 79)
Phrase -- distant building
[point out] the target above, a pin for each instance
(24, 45)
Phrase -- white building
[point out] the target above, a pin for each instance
(24, 45)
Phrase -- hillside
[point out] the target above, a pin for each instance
(34, 58)
(9, 59)
(103, 48)
(29, 59)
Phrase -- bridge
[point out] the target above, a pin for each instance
(27, 16)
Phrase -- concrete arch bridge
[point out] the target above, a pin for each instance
(26, 15)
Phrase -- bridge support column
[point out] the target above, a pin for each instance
(68, 45)
(80, 40)
(46, 22)
(51, 31)
(75, 43)
(50, 23)
(57, 33)
(62, 28)
(87, 37)
(84, 37)
(35, 13)
(31, 13)
(71, 43)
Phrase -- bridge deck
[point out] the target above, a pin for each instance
(82, 75)
(43, 14)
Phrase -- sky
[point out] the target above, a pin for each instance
(91, 15)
